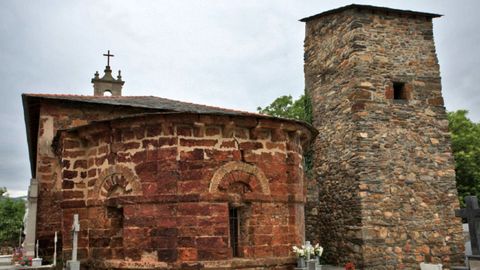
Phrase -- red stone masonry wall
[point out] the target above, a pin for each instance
(55, 116)
(155, 191)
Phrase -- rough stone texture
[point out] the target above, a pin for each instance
(52, 117)
(153, 191)
(384, 168)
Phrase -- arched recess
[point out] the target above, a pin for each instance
(116, 181)
(240, 177)
(237, 178)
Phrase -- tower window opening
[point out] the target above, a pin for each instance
(399, 92)
(107, 93)
(234, 230)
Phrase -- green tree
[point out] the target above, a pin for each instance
(11, 218)
(466, 150)
(286, 107)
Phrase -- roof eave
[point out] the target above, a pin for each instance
(27, 118)
(381, 9)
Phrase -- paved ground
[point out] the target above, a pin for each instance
(331, 267)
(20, 267)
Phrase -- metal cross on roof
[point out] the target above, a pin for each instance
(108, 55)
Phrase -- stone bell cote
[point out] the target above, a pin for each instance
(107, 85)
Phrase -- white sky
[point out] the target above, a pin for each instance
(237, 54)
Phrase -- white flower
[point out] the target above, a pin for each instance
(318, 250)
(299, 252)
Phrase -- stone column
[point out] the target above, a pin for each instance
(31, 220)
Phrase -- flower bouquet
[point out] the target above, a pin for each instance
(317, 250)
(300, 254)
(19, 259)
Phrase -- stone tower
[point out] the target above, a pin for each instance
(386, 192)
(107, 85)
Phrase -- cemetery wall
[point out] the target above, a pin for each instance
(155, 191)
(384, 166)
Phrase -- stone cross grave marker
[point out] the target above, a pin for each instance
(472, 214)
(73, 264)
(55, 249)
(75, 230)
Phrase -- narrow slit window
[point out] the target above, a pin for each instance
(234, 231)
(399, 92)
(115, 217)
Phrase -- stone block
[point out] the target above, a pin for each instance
(73, 265)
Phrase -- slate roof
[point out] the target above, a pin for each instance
(151, 104)
(148, 102)
(373, 8)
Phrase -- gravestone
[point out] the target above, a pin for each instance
(474, 262)
(37, 261)
(55, 249)
(73, 264)
(466, 236)
(472, 214)
(312, 265)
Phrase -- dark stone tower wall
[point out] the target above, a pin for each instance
(385, 171)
